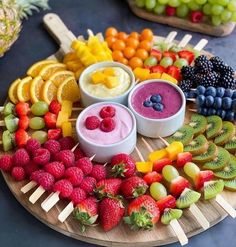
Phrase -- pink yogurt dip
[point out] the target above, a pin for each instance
(171, 99)
(123, 120)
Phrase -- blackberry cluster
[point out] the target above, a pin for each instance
(203, 65)
(227, 81)
(186, 85)
(188, 72)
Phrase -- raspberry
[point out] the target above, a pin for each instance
(98, 172)
(75, 175)
(6, 162)
(85, 165)
(18, 173)
(52, 146)
(78, 153)
(107, 111)
(67, 157)
(32, 145)
(88, 184)
(31, 167)
(41, 156)
(54, 107)
(170, 11)
(21, 157)
(77, 196)
(35, 175)
(56, 169)
(67, 143)
(196, 16)
(46, 180)
(64, 187)
(108, 124)
(92, 122)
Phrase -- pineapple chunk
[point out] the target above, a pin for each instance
(169, 78)
(111, 81)
(154, 76)
(141, 74)
(66, 129)
(62, 117)
(66, 106)
(98, 77)
(109, 71)
(144, 166)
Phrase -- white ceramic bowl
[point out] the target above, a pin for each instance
(154, 128)
(88, 99)
(105, 152)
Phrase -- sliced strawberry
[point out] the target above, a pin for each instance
(21, 137)
(166, 202)
(152, 177)
(183, 158)
(188, 55)
(174, 71)
(156, 53)
(23, 122)
(178, 185)
(159, 164)
(22, 109)
(202, 177)
(50, 120)
(158, 69)
(54, 134)
(170, 54)
(55, 107)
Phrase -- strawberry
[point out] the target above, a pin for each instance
(55, 107)
(133, 187)
(169, 54)
(54, 134)
(166, 202)
(152, 177)
(21, 137)
(22, 109)
(156, 53)
(174, 71)
(159, 164)
(170, 11)
(111, 211)
(178, 185)
(188, 55)
(183, 158)
(50, 120)
(196, 16)
(158, 69)
(122, 165)
(23, 122)
(202, 177)
(143, 213)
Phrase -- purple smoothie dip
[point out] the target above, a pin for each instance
(171, 99)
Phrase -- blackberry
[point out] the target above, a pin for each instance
(227, 81)
(202, 64)
(187, 72)
(218, 63)
(185, 85)
(206, 80)
(227, 70)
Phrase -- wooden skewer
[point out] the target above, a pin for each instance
(193, 110)
(200, 45)
(185, 40)
(170, 37)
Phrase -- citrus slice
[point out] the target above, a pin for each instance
(36, 89)
(49, 91)
(50, 69)
(34, 70)
(23, 89)
(58, 77)
(12, 92)
(68, 90)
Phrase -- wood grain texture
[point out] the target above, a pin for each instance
(206, 28)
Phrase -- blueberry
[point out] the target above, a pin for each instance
(226, 103)
(220, 91)
(210, 91)
(158, 107)
(234, 95)
(229, 116)
(211, 111)
(233, 106)
(221, 113)
(200, 100)
(147, 103)
(209, 101)
(203, 111)
(217, 103)
(186, 95)
(228, 93)
(192, 94)
(156, 98)
(200, 90)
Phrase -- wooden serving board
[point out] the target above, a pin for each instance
(206, 28)
(121, 235)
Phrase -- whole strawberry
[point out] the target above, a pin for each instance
(111, 211)
(143, 213)
(122, 165)
(133, 187)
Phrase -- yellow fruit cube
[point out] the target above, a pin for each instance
(109, 71)
(66, 129)
(157, 155)
(101, 56)
(98, 77)
(141, 74)
(169, 78)
(66, 106)
(154, 76)
(73, 65)
(69, 57)
(61, 118)
(79, 72)
(76, 44)
(174, 149)
(144, 166)
(111, 81)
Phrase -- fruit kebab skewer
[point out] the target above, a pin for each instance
(169, 217)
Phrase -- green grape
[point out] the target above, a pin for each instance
(157, 191)
(212, 1)
(216, 9)
(201, 2)
(207, 9)
(191, 169)
(186, 1)
(181, 62)
(194, 6)
(39, 108)
(216, 21)
(222, 2)
(232, 6)
(182, 11)
(225, 15)
(166, 61)
(36, 123)
(169, 172)
(150, 4)
(162, 1)
(140, 3)
(40, 135)
(150, 61)
(159, 9)
(174, 3)
(233, 17)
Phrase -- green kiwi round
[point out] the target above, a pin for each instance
(7, 141)
(229, 171)
(230, 184)
(226, 134)
(198, 145)
(198, 123)
(170, 214)
(231, 145)
(11, 123)
(213, 188)
(209, 155)
(187, 198)
(214, 126)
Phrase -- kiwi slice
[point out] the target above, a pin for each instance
(198, 123)
(209, 155)
(170, 214)
(220, 161)
(184, 135)
(11, 122)
(187, 198)
(231, 145)
(198, 145)
(214, 126)
(8, 109)
(230, 184)
(7, 141)
(213, 188)
(228, 172)
(226, 134)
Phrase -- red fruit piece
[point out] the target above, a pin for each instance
(78, 153)
(56, 169)
(170, 54)
(170, 11)
(6, 162)
(35, 175)
(111, 211)
(85, 165)
(174, 71)
(21, 138)
(107, 124)
(178, 185)
(66, 157)
(50, 120)
(202, 177)
(46, 180)
(54, 134)
(133, 187)
(21, 157)
(77, 196)
(159, 164)
(64, 187)
(152, 177)
(22, 109)
(188, 55)
(18, 173)
(107, 111)
(32, 145)
(88, 185)
(52, 146)
(143, 213)
(156, 53)
(183, 158)
(74, 175)
(158, 69)
(67, 143)
(166, 202)
(31, 167)
(92, 122)
(23, 123)
(98, 172)
(196, 16)
(41, 156)
(54, 107)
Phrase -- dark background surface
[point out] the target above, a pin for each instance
(17, 226)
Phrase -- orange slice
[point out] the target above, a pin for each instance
(36, 89)
(58, 77)
(12, 92)
(23, 89)
(49, 91)
(34, 70)
(50, 69)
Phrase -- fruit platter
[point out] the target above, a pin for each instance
(123, 138)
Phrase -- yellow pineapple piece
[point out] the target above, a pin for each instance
(76, 44)
(66, 106)
(74, 65)
(154, 76)
(174, 149)
(71, 56)
(111, 81)
(169, 78)
(66, 129)
(101, 56)
(79, 72)
(88, 59)
(61, 118)
(144, 166)
(141, 74)
(98, 77)
(109, 71)
(157, 155)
